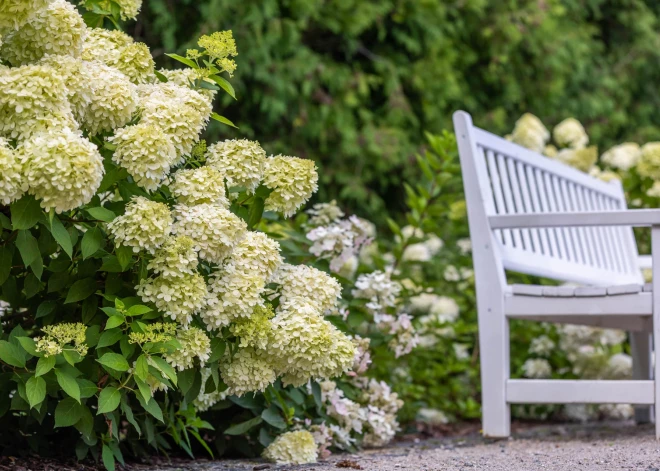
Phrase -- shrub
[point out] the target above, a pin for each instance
(140, 285)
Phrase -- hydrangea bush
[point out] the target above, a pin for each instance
(149, 298)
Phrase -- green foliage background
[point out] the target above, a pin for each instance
(353, 84)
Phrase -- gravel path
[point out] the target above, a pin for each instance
(601, 447)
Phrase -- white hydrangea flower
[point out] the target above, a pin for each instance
(304, 345)
(620, 365)
(145, 225)
(440, 309)
(114, 98)
(186, 78)
(461, 350)
(176, 257)
(215, 229)
(605, 175)
(464, 245)
(433, 243)
(232, 296)
(649, 162)
(247, 372)
(255, 254)
(292, 448)
(612, 336)
(381, 428)
(339, 241)
(570, 133)
(178, 297)
(530, 132)
(13, 183)
(379, 288)
(542, 346)
(617, 411)
(452, 273)
(199, 185)
(624, 156)
(62, 169)
(74, 74)
(146, 152)
(204, 400)
(404, 339)
(304, 282)
(538, 368)
(416, 253)
(33, 99)
(323, 214)
(654, 191)
(194, 344)
(240, 161)
(118, 50)
(180, 111)
(57, 29)
(292, 180)
(581, 158)
(15, 13)
(550, 151)
(432, 416)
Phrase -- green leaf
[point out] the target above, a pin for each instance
(11, 354)
(68, 383)
(186, 379)
(224, 84)
(124, 256)
(138, 310)
(87, 388)
(183, 60)
(109, 337)
(144, 388)
(108, 400)
(101, 213)
(25, 213)
(217, 349)
(72, 357)
(223, 120)
(142, 367)
(152, 407)
(44, 365)
(68, 412)
(273, 417)
(91, 242)
(165, 368)
(161, 77)
(35, 388)
(80, 290)
(243, 427)
(256, 211)
(29, 345)
(6, 255)
(61, 235)
(108, 458)
(28, 247)
(86, 425)
(114, 321)
(115, 361)
(316, 392)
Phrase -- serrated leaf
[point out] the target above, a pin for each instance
(243, 427)
(87, 388)
(11, 354)
(35, 388)
(115, 361)
(152, 407)
(29, 345)
(108, 400)
(68, 412)
(144, 389)
(61, 235)
(142, 367)
(91, 242)
(25, 213)
(68, 383)
(44, 365)
(80, 290)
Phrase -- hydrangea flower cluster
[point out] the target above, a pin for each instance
(194, 344)
(530, 132)
(296, 447)
(340, 240)
(623, 156)
(241, 161)
(292, 180)
(60, 337)
(570, 133)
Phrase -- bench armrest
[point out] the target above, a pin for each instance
(645, 261)
(631, 217)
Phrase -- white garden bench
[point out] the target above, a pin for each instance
(533, 215)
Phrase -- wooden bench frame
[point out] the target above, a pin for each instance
(598, 249)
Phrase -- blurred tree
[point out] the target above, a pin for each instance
(353, 83)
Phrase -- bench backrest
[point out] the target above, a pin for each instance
(511, 179)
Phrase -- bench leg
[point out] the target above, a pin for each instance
(495, 365)
(640, 345)
(655, 253)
